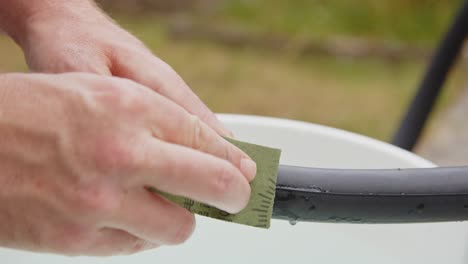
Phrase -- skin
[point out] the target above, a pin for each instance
(78, 149)
(60, 36)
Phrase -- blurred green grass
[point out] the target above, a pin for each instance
(367, 96)
(414, 21)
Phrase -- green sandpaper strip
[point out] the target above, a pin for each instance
(260, 207)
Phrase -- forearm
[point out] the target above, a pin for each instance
(15, 15)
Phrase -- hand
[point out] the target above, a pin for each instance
(77, 151)
(77, 37)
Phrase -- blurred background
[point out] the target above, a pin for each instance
(346, 64)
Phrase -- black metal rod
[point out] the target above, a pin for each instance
(372, 196)
(385, 196)
(423, 103)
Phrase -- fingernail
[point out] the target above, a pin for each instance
(248, 168)
(222, 129)
(227, 133)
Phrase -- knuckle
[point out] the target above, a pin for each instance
(96, 200)
(206, 115)
(111, 155)
(124, 96)
(224, 179)
(195, 138)
(185, 228)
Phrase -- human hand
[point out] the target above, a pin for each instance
(77, 151)
(75, 36)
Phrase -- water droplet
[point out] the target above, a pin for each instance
(293, 220)
(420, 208)
(317, 189)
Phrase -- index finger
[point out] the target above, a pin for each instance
(160, 77)
(171, 123)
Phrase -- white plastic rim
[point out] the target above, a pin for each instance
(303, 144)
(306, 144)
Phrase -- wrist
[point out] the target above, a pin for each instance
(18, 17)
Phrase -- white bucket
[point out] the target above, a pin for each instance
(305, 145)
